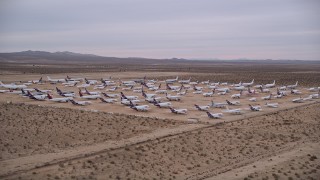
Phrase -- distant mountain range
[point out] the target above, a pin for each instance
(71, 57)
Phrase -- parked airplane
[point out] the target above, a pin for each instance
(233, 111)
(171, 81)
(36, 81)
(255, 108)
(42, 91)
(54, 81)
(65, 93)
(217, 105)
(214, 115)
(309, 98)
(62, 100)
(128, 102)
(267, 97)
(237, 95)
(91, 82)
(314, 89)
(80, 103)
(147, 95)
(39, 97)
(293, 91)
(74, 79)
(248, 84)
(152, 100)
(202, 108)
(128, 97)
(92, 92)
(178, 111)
(12, 86)
(233, 103)
(163, 104)
(110, 95)
(298, 100)
(263, 90)
(173, 98)
(209, 94)
(161, 91)
(174, 87)
(272, 105)
(293, 86)
(185, 81)
(109, 100)
(140, 107)
(223, 89)
(271, 85)
(96, 96)
(253, 99)
(239, 88)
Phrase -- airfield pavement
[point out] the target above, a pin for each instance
(48, 140)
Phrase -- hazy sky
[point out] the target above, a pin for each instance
(225, 29)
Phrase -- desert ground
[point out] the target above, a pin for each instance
(48, 140)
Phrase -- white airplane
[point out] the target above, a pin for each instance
(147, 95)
(128, 102)
(96, 96)
(214, 115)
(255, 108)
(152, 100)
(112, 89)
(233, 103)
(237, 95)
(185, 81)
(235, 85)
(197, 88)
(239, 88)
(178, 111)
(173, 98)
(100, 86)
(293, 86)
(233, 111)
(209, 94)
(161, 91)
(263, 90)
(40, 97)
(12, 86)
(315, 96)
(110, 95)
(258, 86)
(267, 97)
(91, 82)
(62, 100)
(109, 100)
(163, 104)
(253, 99)
(217, 105)
(223, 89)
(313, 89)
(215, 84)
(248, 84)
(72, 84)
(177, 88)
(80, 103)
(271, 85)
(74, 79)
(155, 88)
(272, 105)
(42, 91)
(222, 93)
(171, 81)
(92, 92)
(83, 85)
(36, 81)
(224, 83)
(4, 91)
(65, 93)
(139, 108)
(294, 91)
(182, 93)
(283, 88)
(298, 100)
(198, 92)
(309, 98)
(54, 81)
(205, 82)
(128, 97)
(202, 108)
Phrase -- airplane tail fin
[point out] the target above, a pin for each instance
(131, 104)
(73, 102)
(40, 80)
(49, 96)
(1, 83)
(172, 110)
(22, 91)
(197, 106)
(37, 89)
(122, 95)
(103, 100)
(87, 91)
(48, 78)
(297, 83)
(177, 78)
(80, 93)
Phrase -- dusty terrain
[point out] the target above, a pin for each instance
(47, 140)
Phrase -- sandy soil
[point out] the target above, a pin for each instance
(205, 152)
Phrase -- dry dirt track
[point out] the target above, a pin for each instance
(193, 154)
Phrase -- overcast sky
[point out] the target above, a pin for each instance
(224, 29)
